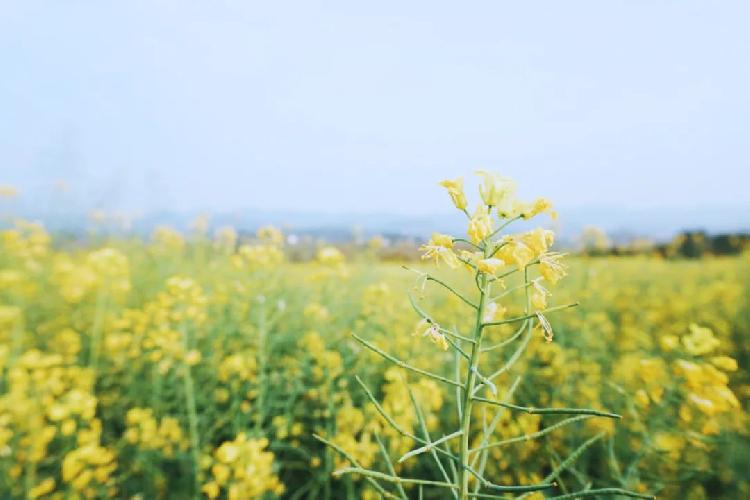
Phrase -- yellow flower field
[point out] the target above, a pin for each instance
(215, 366)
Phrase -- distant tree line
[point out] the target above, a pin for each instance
(687, 244)
(696, 244)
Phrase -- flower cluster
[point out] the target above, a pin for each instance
(242, 468)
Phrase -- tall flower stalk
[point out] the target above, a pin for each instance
(491, 257)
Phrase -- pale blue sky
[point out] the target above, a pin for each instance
(342, 106)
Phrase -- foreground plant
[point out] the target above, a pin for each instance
(493, 259)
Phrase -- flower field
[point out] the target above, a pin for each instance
(215, 366)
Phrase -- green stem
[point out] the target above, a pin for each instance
(188, 387)
(463, 477)
(192, 412)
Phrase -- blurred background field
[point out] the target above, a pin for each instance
(166, 367)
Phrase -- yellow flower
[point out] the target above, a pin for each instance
(270, 235)
(703, 404)
(228, 453)
(550, 267)
(480, 225)
(642, 398)
(330, 255)
(193, 357)
(431, 330)
(668, 342)
(221, 473)
(211, 489)
(490, 266)
(538, 240)
(725, 363)
(45, 487)
(440, 247)
(515, 252)
(497, 191)
(244, 470)
(669, 443)
(540, 205)
(700, 341)
(455, 189)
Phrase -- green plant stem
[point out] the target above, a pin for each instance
(463, 475)
(192, 412)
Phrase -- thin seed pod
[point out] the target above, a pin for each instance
(549, 411)
(392, 422)
(354, 461)
(401, 363)
(457, 363)
(423, 426)
(450, 289)
(570, 459)
(516, 354)
(389, 465)
(455, 335)
(502, 226)
(393, 479)
(507, 341)
(511, 290)
(426, 482)
(456, 348)
(423, 449)
(602, 491)
(527, 316)
(496, 249)
(493, 425)
(427, 318)
(485, 495)
(514, 270)
(429, 277)
(484, 380)
(528, 437)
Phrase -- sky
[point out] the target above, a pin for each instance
(354, 107)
